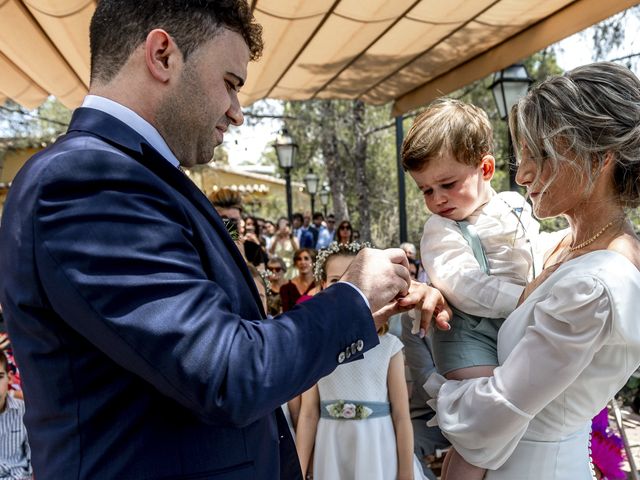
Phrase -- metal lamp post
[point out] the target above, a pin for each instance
(324, 198)
(509, 85)
(311, 181)
(286, 150)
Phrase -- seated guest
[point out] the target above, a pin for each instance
(15, 455)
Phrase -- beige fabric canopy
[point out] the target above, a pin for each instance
(408, 51)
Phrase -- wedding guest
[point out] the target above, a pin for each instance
(302, 233)
(419, 361)
(15, 454)
(276, 270)
(254, 251)
(574, 339)
(327, 233)
(284, 244)
(344, 233)
(316, 227)
(302, 283)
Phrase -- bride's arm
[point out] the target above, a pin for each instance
(485, 418)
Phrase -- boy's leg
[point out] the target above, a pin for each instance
(470, 372)
(457, 468)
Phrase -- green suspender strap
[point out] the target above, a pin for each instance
(471, 236)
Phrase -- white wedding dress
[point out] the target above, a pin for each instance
(563, 354)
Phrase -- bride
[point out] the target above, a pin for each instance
(575, 338)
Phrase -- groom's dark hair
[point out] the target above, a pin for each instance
(118, 27)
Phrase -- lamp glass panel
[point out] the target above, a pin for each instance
(311, 180)
(285, 154)
(324, 197)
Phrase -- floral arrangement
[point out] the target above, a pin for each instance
(335, 248)
(350, 411)
(606, 448)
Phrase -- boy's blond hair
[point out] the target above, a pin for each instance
(448, 126)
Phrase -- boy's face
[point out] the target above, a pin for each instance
(4, 386)
(452, 189)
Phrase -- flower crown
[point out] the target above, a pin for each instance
(335, 248)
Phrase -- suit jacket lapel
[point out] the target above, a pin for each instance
(121, 136)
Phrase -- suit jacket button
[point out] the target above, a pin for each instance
(341, 357)
(360, 345)
(354, 349)
(347, 353)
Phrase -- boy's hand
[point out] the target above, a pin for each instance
(428, 303)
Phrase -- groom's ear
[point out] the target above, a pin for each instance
(163, 58)
(488, 167)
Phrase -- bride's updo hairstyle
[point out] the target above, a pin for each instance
(578, 118)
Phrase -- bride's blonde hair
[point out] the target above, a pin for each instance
(580, 117)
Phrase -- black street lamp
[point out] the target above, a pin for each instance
(509, 85)
(324, 198)
(311, 181)
(286, 151)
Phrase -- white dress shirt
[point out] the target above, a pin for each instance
(508, 239)
(133, 120)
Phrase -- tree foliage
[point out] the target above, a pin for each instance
(353, 148)
(42, 124)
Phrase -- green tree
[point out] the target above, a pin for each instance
(42, 124)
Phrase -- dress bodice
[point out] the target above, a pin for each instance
(594, 298)
(563, 354)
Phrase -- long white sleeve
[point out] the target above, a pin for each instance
(485, 418)
(508, 239)
(453, 269)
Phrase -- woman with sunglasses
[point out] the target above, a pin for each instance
(276, 269)
(345, 233)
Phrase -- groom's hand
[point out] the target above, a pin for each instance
(381, 275)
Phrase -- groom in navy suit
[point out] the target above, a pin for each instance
(144, 351)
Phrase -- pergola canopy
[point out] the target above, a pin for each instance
(406, 51)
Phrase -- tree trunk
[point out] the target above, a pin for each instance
(335, 168)
(360, 164)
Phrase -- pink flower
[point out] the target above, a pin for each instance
(349, 410)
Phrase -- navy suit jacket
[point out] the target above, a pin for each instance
(143, 348)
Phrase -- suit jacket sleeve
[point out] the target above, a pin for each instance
(120, 260)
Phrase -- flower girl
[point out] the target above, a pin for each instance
(358, 416)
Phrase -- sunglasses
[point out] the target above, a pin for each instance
(274, 269)
(345, 227)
